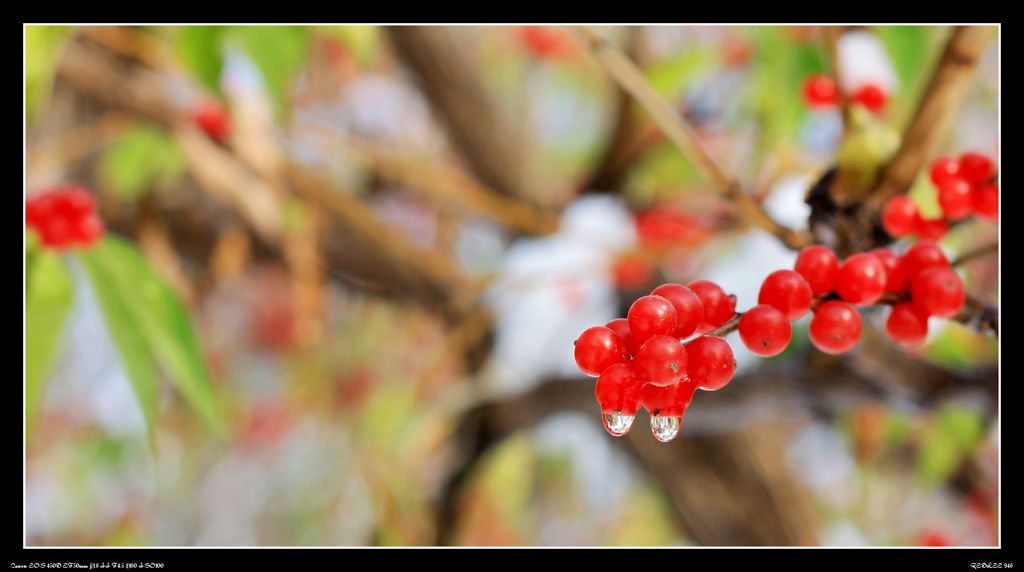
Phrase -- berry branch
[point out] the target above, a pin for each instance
(682, 135)
(935, 111)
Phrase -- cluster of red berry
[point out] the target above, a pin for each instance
(64, 217)
(821, 91)
(210, 116)
(642, 360)
(919, 284)
(645, 361)
(966, 186)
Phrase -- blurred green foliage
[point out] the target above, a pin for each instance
(140, 160)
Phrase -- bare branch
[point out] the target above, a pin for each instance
(936, 110)
(626, 74)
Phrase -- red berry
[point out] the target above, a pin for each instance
(689, 308)
(632, 272)
(651, 316)
(787, 292)
(618, 390)
(661, 361)
(664, 227)
(56, 232)
(544, 42)
(820, 90)
(711, 364)
(932, 229)
(75, 202)
(921, 256)
(835, 327)
(719, 307)
(907, 325)
(765, 330)
(955, 198)
(872, 97)
(597, 349)
(39, 209)
(931, 538)
(87, 231)
(900, 216)
(944, 169)
(667, 401)
(938, 292)
(213, 119)
(895, 279)
(976, 168)
(819, 266)
(621, 328)
(985, 201)
(861, 279)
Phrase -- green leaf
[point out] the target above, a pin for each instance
(199, 48)
(670, 77)
(952, 435)
(278, 51)
(163, 321)
(780, 70)
(141, 159)
(127, 335)
(47, 304)
(42, 51)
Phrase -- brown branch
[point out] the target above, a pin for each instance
(359, 248)
(626, 74)
(453, 188)
(718, 443)
(935, 112)
(975, 253)
(490, 142)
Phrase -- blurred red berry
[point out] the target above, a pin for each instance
(872, 97)
(976, 168)
(820, 90)
(900, 216)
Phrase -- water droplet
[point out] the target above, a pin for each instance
(617, 424)
(665, 428)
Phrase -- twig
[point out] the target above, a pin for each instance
(626, 74)
(979, 252)
(935, 111)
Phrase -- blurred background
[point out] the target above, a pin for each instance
(387, 240)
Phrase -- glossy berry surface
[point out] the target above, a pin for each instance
(895, 278)
(985, 201)
(64, 217)
(651, 316)
(788, 292)
(938, 292)
(819, 266)
(667, 401)
(661, 361)
(921, 256)
(597, 349)
(710, 362)
(618, 390)
(719, 307)
(765, 331)
(835, 327)
(944, 169)
(900, 216)
(621, 328)
(689, 308)
(955, 198)
(907, 325)
(820, 90)
(976, 168)
(861, 279)
(872, 97)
